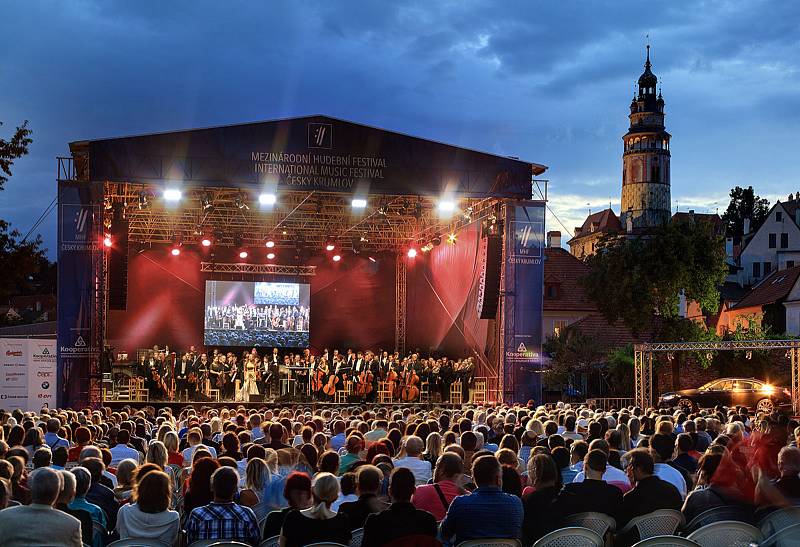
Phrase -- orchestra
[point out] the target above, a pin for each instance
(249, 377)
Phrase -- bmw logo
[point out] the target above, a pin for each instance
(45, 385)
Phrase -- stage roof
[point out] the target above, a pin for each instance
(311, 153)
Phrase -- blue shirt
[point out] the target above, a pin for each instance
(486, 513)
(337, 441)
(97, 514)
(54, 441)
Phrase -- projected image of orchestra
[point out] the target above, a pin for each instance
(245, 313)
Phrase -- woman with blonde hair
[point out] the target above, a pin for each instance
(625, 438)
(171, 442)
(257, 476)
(125, 483)
(318, 523)
(536, 426)
(433, 448)
(162, 431)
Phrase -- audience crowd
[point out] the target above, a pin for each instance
(397, 475)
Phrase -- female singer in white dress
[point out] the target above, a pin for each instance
(249, 386)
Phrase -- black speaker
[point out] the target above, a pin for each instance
(118, 265)
(491, 260)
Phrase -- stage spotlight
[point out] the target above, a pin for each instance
(412, 252)
(243, 254)
(451, 239)
(372, 259)
(107, 240)
(329, 244)
(205, 242)
(446, 206)
(468, 213)
(337, 258)
(172, 194)
(267, 199)
(359, 203)
(269, 244)
(270, 256)
(241, 202)
(175, 251)
(427, 248)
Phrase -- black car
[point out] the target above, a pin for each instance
(730, 392)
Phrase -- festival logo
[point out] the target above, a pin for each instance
(320, 135)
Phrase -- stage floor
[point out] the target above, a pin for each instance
(315, 406)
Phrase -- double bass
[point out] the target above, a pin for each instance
(364, 386)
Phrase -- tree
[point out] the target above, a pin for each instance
(633, 279)
(13, 149)
(571, 352)
(744, 204)
(20, 261)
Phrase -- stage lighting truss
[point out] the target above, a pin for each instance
(397, 221)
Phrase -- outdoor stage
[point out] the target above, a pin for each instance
(404, 244)
(314, 406)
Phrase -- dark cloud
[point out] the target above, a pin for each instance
(546, 81)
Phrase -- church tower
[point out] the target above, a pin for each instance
(645, 161)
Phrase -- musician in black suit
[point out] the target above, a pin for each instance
(182, 371)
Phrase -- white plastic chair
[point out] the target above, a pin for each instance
(666, 541)
(133, 542)
(356, 537)
(788, 537)
(778, 520)
(217, 543)
(663, 522)
(571, 537)
(487, 542)
(727, 533)
(598, 522)
(270, 542)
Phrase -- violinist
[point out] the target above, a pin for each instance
(319, 377)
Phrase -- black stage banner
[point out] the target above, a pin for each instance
(310, 153)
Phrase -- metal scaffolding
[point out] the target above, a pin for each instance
(400, 305)
(643, 362)
(257, 269)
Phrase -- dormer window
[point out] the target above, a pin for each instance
(778, 216)
(551, 291)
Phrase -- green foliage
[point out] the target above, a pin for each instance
(620, 370)
(744, 204)
(633, 279)
(571, 352)
(20, 262)
(13, 149)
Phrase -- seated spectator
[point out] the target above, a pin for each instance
(663, 446)
(347, 490)
(65, 498)
(222, 518)
(32, 441)
(149, 518)
(297, 492)
(593, 494)
(684, 449)
(199, 491)
(194, 438)
(83, 481)
(122, 451)
(317, 523)
(708, 494)
(124, 488)
(613, 476)
(19, 492)
(101, 495)
(51, 438)
(60, 457)
(39, 523)
(83, 436)
(368, 483)
(353, 445)
(436, 498)
(649, 492)
(42, 458)
(413, 460)
(537, 499)
(401, 519)
(486, 513)
(171, 442)
(788, 484)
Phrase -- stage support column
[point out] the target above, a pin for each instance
(81, 286)
(521, 304)
(400, 304)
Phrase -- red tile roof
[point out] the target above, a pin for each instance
(772, 288)
(611, 335)
(713, 218)
(605, 221)
(564, 270)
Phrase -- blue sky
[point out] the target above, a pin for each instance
(546, 81)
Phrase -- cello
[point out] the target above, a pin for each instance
(410, 390)
(391, 381)
(330, 387)
(318, 378)
(364, 386)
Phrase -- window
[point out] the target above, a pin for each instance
(558, 326)
(778, 216)
(790, 263)
(772, 239)
(551, 291)
(784, 241)
(767, 268)
(756, 269)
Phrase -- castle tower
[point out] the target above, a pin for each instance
(645, 161)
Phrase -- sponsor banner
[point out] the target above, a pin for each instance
(310, 153)
(27, 374)
(42, 375)
(524, 277)
(79, 239)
